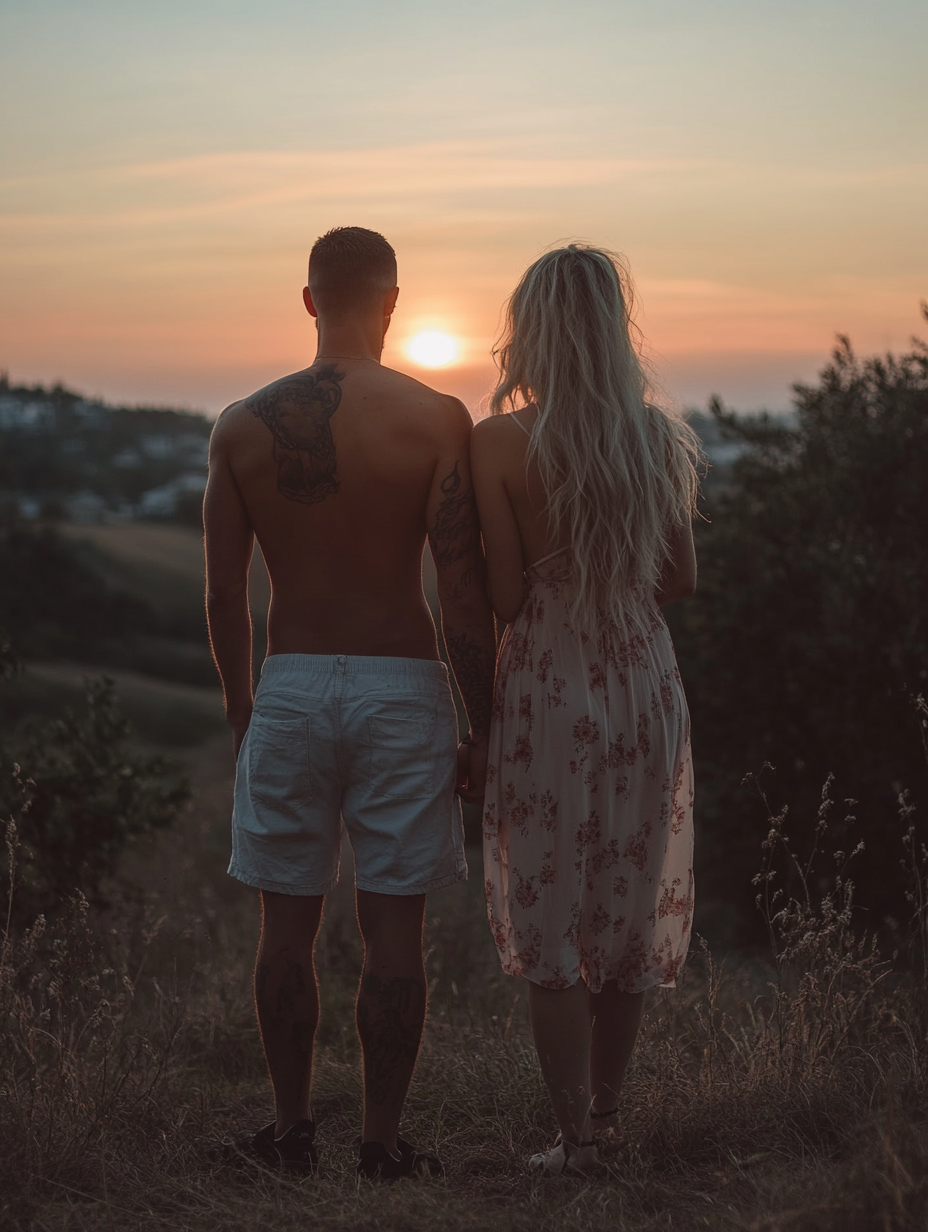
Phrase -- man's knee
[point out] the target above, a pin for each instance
(391, 927)
(291, 918)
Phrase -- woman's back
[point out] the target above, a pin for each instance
(606, 472)
(584, 491)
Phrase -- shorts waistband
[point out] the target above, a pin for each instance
(354, 665)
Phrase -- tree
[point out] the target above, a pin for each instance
(808, 638)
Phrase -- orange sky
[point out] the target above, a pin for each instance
(154, 229)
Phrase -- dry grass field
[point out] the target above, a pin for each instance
(161, 712)
(163, 565)
(160, 564)
(765, 1095)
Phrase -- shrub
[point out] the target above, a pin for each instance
(809, 632)
(80, 795)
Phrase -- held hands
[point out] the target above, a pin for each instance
(472, 769)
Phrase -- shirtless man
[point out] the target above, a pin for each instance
(341, 471)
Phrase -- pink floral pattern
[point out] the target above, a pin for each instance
(588, 821)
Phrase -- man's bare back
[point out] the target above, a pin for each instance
(335, 467)
(341, 471)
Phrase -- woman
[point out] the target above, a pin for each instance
(586, 493)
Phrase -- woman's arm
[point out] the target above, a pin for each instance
(501, 539)
(678, 577)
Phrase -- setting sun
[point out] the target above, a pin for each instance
(432, 349)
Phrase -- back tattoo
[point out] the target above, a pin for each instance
(297, 410)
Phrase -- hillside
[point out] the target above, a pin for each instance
(65, 456)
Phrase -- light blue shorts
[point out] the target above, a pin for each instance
(368, 741)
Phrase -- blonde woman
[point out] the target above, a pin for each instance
(586, 494)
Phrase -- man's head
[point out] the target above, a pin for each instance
(351, 272)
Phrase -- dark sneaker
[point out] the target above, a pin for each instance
(294, 1152)
(375, 1163)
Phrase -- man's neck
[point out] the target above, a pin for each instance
(357, 340)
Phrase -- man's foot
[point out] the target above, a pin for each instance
(568, 1159)
(294, 1152)
(375, 1163)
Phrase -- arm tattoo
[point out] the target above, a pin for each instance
(455, 521)
(297, 411)
(455, 533)
(456, 550)
(472, 662)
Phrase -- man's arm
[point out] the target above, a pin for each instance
(501, 538)
(230, 542)
(466, 617)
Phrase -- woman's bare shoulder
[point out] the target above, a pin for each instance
(512, 425)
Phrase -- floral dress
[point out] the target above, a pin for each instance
(588, 821)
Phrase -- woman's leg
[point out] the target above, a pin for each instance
(616, 1017)
(561, 1027)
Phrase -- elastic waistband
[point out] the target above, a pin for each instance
(354, 665)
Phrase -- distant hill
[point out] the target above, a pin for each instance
(64, 456)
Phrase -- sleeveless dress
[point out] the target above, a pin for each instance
(588, 817)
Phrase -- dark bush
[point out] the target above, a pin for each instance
(79, 796)
(808, 638)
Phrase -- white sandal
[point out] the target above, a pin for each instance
(568, 1159)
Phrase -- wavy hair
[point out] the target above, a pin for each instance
(619, 472)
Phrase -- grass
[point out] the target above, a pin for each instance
(780, 1094)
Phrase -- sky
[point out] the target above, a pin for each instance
(165, 168)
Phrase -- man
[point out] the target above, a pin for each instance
(341, 471)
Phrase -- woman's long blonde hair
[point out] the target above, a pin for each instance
(619, 472)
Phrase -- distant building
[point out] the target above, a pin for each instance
(162, 502)
(86, 507)
(160, 446)
(30, 416)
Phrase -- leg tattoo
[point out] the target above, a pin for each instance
(390, 1015)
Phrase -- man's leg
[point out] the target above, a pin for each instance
(287, 999)
(390, 1008)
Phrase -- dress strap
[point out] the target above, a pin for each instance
(516, 420)
(543, 560)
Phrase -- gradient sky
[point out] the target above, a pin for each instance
(165, 167)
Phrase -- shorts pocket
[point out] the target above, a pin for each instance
(279, 770)
(401, 756)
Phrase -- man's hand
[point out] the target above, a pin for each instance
(472, 771)
(239, 727)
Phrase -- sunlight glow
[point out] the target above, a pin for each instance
(433, 349)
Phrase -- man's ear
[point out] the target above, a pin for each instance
(308, 301)
(389, 302)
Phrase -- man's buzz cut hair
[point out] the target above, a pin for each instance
(349, 267)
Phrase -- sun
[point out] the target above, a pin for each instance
(432, 349)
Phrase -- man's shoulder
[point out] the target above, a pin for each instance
(425, 395)
(248, 408)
